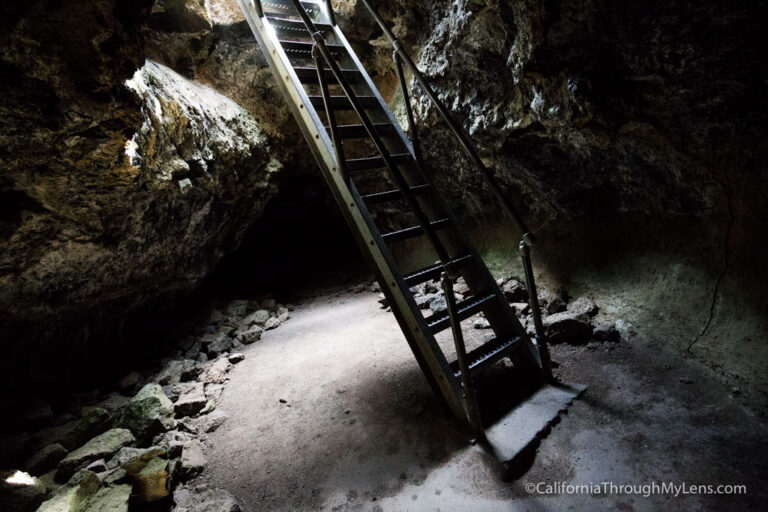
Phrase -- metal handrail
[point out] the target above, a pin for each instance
(457, 130)
(527, 239)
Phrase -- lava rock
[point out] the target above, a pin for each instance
(129, 383)
(204, 500)
(99, 447)
(272, 323)
(236, 357)
(222, 344)
(605, 332)
(438, 305)
(258, 317)
(583, 306)
(191, 401)
(218, 372)
(93, 422)
(192, 461)
(567, 327)
(46, 459)
(383, 301)
(514, 291)
(149, 413)
(252, 334)
(150, 475)
(482, 323)
(554, 301)
(237, 308)
(179, 371)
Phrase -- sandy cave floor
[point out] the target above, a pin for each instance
(331, 412)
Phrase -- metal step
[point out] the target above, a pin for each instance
(294, 26)
(433, 272)
(305, 47)
(308, 75)
(464, 310)
(287, 6)
(404, 234)
(376, 162)
(485, 355)
(393, 195)
(342, 102)
(358, 131)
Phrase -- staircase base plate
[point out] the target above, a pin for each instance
(517, 434)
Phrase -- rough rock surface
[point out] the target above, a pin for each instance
(116, 197)
(632, 138)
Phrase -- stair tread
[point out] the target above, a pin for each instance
(433, 272)
(485, 355)
(358, 131)
(342, 102)
(393, 195)
(375, 162)
(294, 25)
(308, 74)
(405, 233)
(306, 46)
(464, 309)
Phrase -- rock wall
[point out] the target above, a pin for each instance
(631, 137)
(123, 184)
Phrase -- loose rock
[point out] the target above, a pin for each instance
(583, 306)
(147, 414)
(46, 459)
(99, 447)
(606, 332)
(192, 461)
(515, 291)
(567, 327)
(191, 401)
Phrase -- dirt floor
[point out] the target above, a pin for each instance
(331, 412)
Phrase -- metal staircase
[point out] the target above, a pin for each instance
(352, 133)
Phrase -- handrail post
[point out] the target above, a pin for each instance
(408, 110)
(259, 9)
(533, 301)
(467, 385)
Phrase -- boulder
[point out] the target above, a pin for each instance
(461, 286)
(438, 304)
(258, 317)
(211, 422)
(235, 357)
(150, 475)
(46, 459)
(250, 335)
(567, 327)
(521, 308)
(553, 301)
(192, 461)
(129, 383)
(179, 371)
(482, 323)
(237, 308)
(514, 291)
(147, 414)
(92, 422)
(101, 446)
(191, 401)
(583, 306)
(222, 344)
(606, 332)
(272, 323)
(189, 499)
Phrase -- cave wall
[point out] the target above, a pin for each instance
(124, 183)
(631, 137)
